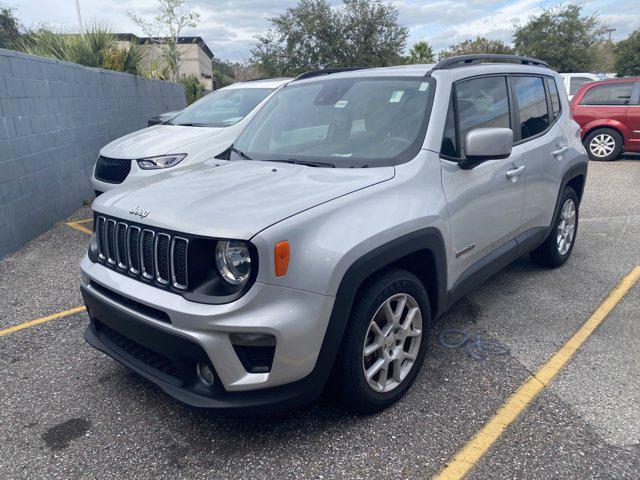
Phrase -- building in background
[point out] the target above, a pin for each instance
(196, 55)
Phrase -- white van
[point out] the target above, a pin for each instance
(198, 133)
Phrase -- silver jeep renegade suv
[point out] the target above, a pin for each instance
(355, 208)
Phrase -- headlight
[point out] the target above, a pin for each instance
(233, 261)
(162, 161)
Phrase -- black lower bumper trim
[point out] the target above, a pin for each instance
(147, 350)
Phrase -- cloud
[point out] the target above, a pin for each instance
(229, 26)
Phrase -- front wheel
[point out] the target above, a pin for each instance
(384, 343)
(558, 246)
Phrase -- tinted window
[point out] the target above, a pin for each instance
(482, 102)
(532, 114)
(608, 94)
(555, 98)
(449, 139)
(341, 121)
(576, 82)
(222, 108)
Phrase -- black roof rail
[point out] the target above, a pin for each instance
(325, 71)
(464, 60)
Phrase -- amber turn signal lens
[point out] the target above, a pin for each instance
(281, 258)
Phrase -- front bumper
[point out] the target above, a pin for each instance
(190, 332)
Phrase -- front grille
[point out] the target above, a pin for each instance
(153, 255)
(112, 170)
(142, 353)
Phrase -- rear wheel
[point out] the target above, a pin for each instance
(384, 343)
(558, 246)
(603, 144)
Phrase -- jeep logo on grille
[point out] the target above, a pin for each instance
(137, 210)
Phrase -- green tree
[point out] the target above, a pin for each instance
(421, 52)
(605, 59)
(165, 29)
(9, 27)
(563, 37)
(193, 88)
(312, 35)
(475, 46)
(627, 55)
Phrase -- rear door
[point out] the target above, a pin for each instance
(485, 205)
(541, 144)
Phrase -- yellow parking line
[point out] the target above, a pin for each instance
(79, 227)
(467, 457)
(40, 320)
(86, 220)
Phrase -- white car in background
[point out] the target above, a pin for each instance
(573, 81)
(201, 131)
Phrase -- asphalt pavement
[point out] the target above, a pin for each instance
(68, 411)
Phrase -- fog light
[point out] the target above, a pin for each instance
(205, 374)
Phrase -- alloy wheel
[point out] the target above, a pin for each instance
(392, 342)
(566, 226)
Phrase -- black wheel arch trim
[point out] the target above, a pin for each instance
(429, 239)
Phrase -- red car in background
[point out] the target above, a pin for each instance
(608, 113)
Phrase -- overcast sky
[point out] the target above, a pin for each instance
(228, 26)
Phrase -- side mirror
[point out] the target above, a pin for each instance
(482, 144)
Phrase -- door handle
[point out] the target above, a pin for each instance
(514, 173)
(560, 151)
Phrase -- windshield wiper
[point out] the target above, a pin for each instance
(306, 162)
(190, 124)
(241, 153)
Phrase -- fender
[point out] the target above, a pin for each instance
(606, 123)
(425, 239)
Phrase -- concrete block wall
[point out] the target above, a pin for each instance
(54, 118)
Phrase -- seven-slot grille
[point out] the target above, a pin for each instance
(112, 170)
(151, 254)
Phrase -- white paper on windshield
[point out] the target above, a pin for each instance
(341, 104)
(396, 96)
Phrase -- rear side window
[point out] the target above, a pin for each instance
(482, 102)
(576, 82)
(532, 113)
(608, 94)
(555, 98)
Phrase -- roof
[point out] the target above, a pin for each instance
(615, 80)
(423, 70)
(260, 83)
(182, 40)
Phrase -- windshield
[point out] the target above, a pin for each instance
(344, 122)
(221, 108)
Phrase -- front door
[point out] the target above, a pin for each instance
(485, 203)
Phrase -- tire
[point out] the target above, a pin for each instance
(553, 253)
(603, 144)
(369, 306)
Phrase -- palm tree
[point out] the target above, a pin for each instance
(421, 52)
(96, 47)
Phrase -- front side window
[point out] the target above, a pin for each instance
(608, 94)
(341, 122)
(555, 98)
(532, 114)
(576, 82)
(482, 103)
(222, 108)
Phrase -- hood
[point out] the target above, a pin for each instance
(157, 140)
(234, 199)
